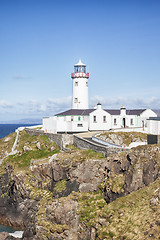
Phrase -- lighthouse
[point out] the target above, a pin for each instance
(80, 86)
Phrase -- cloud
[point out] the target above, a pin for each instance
(48, 108)
(37, 109)
(5, 104)
(152, 102)
(19, 77)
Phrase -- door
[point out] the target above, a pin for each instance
(124, 122)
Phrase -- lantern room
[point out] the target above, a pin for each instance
(80, 70)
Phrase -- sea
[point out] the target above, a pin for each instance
(5, 130)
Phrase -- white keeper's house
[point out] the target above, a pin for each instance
(81, 119)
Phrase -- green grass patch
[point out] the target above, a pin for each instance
(60, 186)
(90, 154)
(24, 159)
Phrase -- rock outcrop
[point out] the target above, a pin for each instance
(60, 199)
(130, 171)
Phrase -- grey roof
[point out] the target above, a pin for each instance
(74, 112)
(154, 118)
(113, 111)
(86, 112)
(135, 111)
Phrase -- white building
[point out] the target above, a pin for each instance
(81, 119)
(80, 86)
(154, 125)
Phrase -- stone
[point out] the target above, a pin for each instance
(38, 146)
(26, 149)
(154, 201)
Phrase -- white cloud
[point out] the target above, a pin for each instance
(5, 104)
(152, 102)
(37, 109)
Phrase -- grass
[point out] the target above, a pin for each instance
(128, 217)
(60, 186)
(6, 144)
(23, 159)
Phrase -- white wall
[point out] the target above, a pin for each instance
(50, 124)
(81, 93)
(99, 124)
(153, 127)
(145, 115)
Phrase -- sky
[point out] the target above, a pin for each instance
(41, 40)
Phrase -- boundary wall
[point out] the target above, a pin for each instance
(85, 144)
(60, 139)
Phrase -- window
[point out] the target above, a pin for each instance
(71, 118)
(76, 83)
(94, 118)
(79, 125)
(86, 84)
(79, 118)
(131, 121)
(115, 121)
(104, 118)
(75, 100)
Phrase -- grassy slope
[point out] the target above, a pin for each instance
(6, 144)
(129, 217)
(22, 159)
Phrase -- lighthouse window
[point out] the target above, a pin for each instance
(86, 84)
(115, 121)
(94, 119)
(76, 83)
(76, 100)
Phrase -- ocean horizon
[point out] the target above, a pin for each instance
(6, 129)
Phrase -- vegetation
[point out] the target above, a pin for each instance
(60, 186)
(23, 157)
(6, 144)
(115, 183)
(129, 217)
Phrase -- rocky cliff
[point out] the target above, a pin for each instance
(81, 195)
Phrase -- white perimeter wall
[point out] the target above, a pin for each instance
(154, 127)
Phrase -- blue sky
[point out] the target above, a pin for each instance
(40, 41)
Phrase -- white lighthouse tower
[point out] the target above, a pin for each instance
(80, 86)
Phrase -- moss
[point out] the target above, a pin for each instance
(89, 204)
(114, 183)
(24, 160)
(4, 195)
(6, 144)
(60, 186)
